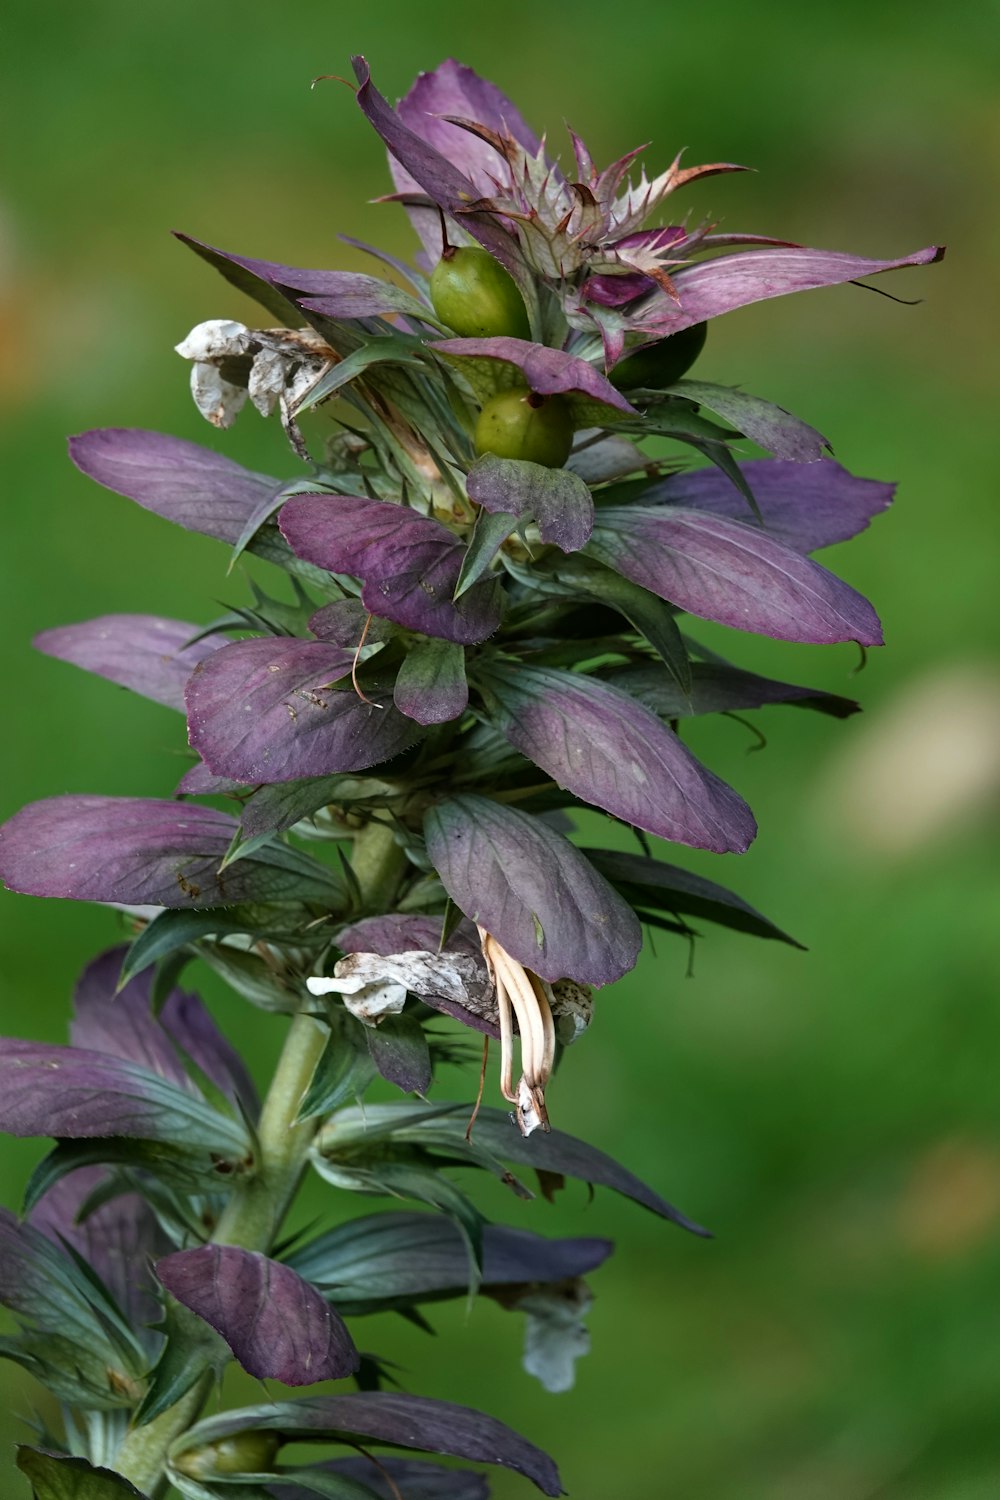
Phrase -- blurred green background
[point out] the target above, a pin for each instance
(833, 1115)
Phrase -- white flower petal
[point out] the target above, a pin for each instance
(268, 375)
(555, 1335)
(218, 401)
(218, 338)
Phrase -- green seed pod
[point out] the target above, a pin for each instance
(474, 295)
(660, 364)
(243, 1453)
(522, 424)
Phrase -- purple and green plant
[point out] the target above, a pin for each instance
(490, 624)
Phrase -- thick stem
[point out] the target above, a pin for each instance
(253, 1215)
(141, 1456)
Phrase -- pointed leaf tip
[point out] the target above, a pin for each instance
(415, 1422)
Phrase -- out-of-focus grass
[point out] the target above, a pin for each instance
(831, 1114)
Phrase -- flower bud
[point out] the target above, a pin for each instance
(474, 295)
(659, 365)
(243, 1453)
(522, 424)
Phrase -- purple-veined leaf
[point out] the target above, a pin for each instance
(287, 291)
(430, 685)
(199, 781)
(138, 851)
(117, 1239)
(351, 294)
(122, 1022)
(770, 426)
(400, 1257)
(529, 887)
(805, 508)
(183, 482)
(556, 499)
(443, 182)
(409, 563)
(399, 1051)
(146, 653)
(613, 751)
(732, 572)
(73, 1093)
(58, 1476)
(713, 287)
(346, 621)
(500, 363)
(401, 932)
(186, 1019)
(266, 710)
(265, 281)
(719, 688)
(388, 1417)
(409, 273)
(414, 1479)
(653, 883)
(452, 89)
(276, 1324)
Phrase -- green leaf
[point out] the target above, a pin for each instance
(676, 419)
(58, 1477)
(424, 1184)
(650, 616)
(240, 848)
(174, 930)
(343, 1072)
(282, 804)
(441, 1129)
(680, 420)
(190, 1350)
(356, 1129)
(252, 528)
(75, 1374)
(488, 537)
(250, 976)
(327, 1484)
(651, 882)
(430, 686)
(183, 1170)
(396, 349)
(770, 426)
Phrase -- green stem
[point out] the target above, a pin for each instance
(253, 1215)
(142, 1455)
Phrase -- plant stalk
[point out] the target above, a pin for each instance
(255, 1210)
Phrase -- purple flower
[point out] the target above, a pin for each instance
(458, 145)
